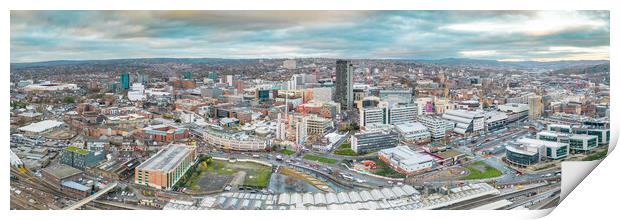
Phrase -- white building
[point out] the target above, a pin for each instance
(40, 127)
(465, 121)
(401, 114)
(50, 87)
(136, 93)
(322, 94)
(386, 113)
(296, 82)
(549, 149)
(413, 132)
(289, 64)
(406, 161)
(233, 140)
(495, 120)
(437, 126)
(514, 111)
(280, 128)
(301, 132)
(317, 125)
(373, 115)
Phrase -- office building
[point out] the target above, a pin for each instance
(363, 143)
(317, 125)
(583, 142)
(125, 81)
(413, 132)
(344, 84)
(603, 134)
(535, 106)
(548, 149)
(81, 158)
(437, 126)
(373, 115)
(213, 76)
(522, 155)
(397, 95)
(401, 114)
(567, 129)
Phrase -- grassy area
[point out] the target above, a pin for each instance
(345, 149)
(385, 170)
(596, 156)
(481, 170)
(257, 175)
(287, 152)
(77, 150)
(260, 178)
(221, 167)
(18, 104)
(320, 159)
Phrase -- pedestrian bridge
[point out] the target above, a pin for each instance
(92, 197)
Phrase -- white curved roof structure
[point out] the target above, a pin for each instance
(355, 197)
(319, 199)
(343, 197)
(308, 199)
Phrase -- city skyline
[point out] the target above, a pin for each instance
(494, 35)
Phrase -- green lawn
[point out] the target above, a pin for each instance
(320, 159)
(220, 167)
(257, 175)
(385, 170)
(596, 156)
(481, 170)
(260, 178)
(287, 152)
(345, 149)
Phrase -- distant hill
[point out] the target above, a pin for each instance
(128, 61)
(599, 68)
(524, 65)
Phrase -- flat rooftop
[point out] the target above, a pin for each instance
(411, 127)
(166, 159)
(61, 171)
(41, 126)
(406, 156)
(551, 144)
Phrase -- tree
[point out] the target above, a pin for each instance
(68, 99)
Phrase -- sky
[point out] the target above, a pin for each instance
(497, 35)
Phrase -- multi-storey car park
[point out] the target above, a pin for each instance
(164, 169)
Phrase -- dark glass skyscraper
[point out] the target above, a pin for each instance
(125, 80)
(344, 84)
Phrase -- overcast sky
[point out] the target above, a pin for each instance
(499, 35)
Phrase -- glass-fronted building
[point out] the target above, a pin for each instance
(373, 141)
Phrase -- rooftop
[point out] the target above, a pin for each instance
(167, 158)
(41, 126)
(61, 171)
(77, 150)
(410, 127)
(406, 156)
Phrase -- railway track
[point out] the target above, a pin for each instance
(106, 206)
(489, 199)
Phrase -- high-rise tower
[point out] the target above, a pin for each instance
(344, 84)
